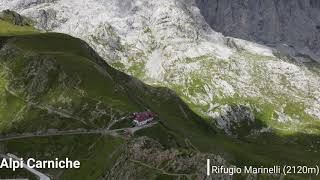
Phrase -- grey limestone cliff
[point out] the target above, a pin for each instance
(289, 25)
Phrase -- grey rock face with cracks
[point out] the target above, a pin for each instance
(286, 24)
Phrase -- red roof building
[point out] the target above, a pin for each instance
(143, 118)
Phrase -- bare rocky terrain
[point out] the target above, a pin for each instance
(291, 26)
(234, 81)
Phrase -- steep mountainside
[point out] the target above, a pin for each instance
(169, 43)
(291, 26)
(60, 99)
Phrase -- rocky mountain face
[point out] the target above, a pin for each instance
(62, 101)
(291, 26)
(59, 98)
(177, 44)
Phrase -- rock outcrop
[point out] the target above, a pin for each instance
(171, 44)
(143, 157)
(14, 18)
(237, 120)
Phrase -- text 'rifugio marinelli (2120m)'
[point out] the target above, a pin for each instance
(285, 170)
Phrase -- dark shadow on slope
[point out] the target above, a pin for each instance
(3, 41)
(266, 148)
(179, 124)
(173, 112)
(271, 23)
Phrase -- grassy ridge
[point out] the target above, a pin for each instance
(96, 154)
(8, 29)
(62, 72)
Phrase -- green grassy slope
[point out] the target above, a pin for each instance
(12, 23)
(7, 29)
(54, 81)
(38, 80)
